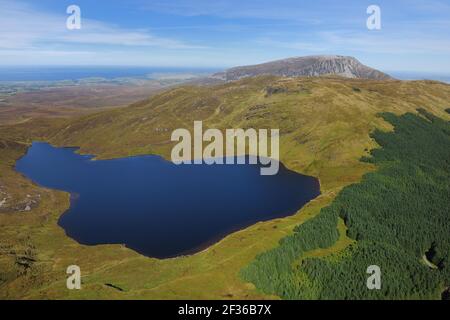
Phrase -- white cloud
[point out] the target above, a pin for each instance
(25, 27)
(374, 42)
(292, 10)
(298, 45)
(402, 40)
(46, 53)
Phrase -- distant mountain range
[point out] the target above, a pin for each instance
(310, 66)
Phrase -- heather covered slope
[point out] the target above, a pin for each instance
(324, 122)
(398, 217)
(325, 126)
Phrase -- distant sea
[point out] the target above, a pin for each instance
(407, 75)
(59, 73)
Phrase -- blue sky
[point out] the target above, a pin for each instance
(222, 33)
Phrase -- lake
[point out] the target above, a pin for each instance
(157, 208)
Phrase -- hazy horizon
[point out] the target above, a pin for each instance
(219, 34)
(29, 73)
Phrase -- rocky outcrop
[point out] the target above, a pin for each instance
(311, 66)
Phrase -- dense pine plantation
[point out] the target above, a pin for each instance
(398, 215)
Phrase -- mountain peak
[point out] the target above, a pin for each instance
(309, 66)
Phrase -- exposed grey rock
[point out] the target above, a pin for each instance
(310, 66)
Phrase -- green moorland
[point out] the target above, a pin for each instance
(398, 215)
(325, 126)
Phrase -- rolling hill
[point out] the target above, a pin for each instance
(325, 125)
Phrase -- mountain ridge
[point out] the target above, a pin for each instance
(307, 66)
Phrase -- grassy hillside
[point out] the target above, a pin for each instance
(324, 124)
(398, 215)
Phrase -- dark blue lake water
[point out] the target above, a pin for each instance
(157, 208)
